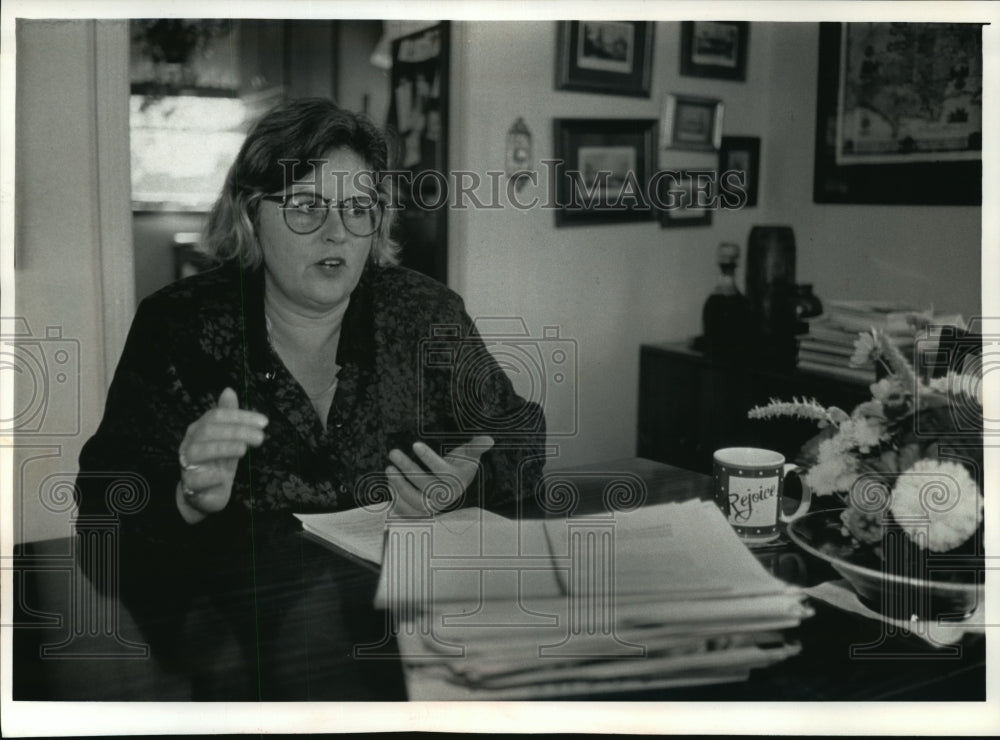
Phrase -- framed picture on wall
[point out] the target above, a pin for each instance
(605, 167)
(715, 49)
(899, 114)
(690, 122)
(741, 154)
(686, 198)
(612, 57)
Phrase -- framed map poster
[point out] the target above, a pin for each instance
(899, 114)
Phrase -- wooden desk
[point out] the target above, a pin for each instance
(281, 623)
(692, 404)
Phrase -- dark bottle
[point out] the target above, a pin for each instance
(771, 291)
(771, 279)
(726, 317)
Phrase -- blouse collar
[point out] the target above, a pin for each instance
(357, 333)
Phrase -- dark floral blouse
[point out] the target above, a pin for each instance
(412, 367)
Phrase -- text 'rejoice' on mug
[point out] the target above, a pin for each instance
(749, 483)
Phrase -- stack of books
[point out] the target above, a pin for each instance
(829, 344)
(484, 607)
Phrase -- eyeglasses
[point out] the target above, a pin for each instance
(305, 213)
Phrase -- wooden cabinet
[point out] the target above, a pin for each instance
(691, 405)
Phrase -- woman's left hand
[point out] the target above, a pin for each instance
(417, 492)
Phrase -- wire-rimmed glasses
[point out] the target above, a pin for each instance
(305, 213)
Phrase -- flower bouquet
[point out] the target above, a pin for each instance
(907, 466)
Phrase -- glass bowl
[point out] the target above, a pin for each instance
(908, 583)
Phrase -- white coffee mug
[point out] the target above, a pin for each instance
(749, 482)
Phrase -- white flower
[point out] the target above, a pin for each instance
(822, 478)
(870, 409)
(864, 433)
(864, 526)
(865, 349)
(939, 384)
(832, 448)
(834, 469)
(955, 384)
(941, 498)
(830, 477)
(882, 390)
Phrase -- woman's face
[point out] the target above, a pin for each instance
(316, 272)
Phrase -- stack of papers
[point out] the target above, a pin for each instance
(896, 319)
(485, 607)
(829, 344)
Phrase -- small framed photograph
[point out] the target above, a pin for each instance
(715, 49)
(604, 171)
(613, 57)
(741, 155)
(692, 123)
(685, 198)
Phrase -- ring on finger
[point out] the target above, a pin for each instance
(185, 465)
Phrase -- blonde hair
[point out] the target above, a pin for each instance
(299, 130)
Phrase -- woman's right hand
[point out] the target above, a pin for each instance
(212, 448)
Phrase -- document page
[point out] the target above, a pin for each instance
(673, 551)
(456, 540)
(467, 557)
(359, 532)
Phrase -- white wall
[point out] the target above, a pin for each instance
(58, 275)
(611, 288)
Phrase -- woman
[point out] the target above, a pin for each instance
(294, 376)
